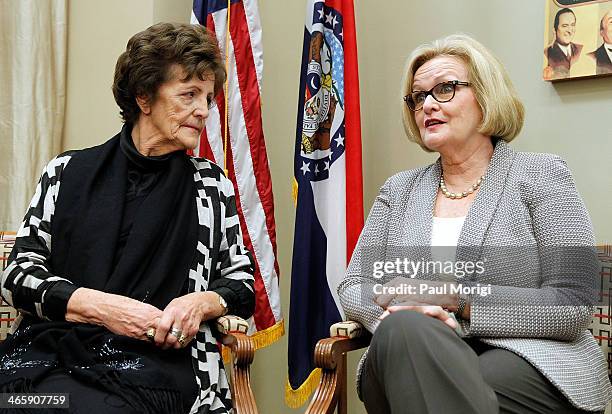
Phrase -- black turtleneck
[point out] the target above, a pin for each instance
(142, 175)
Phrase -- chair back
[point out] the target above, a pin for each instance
(7, 313)
(601, 326)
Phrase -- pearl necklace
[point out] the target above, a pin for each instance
(457, 196)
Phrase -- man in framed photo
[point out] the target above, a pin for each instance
(603, 54)
(563, 52)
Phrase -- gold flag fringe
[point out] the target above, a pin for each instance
(296, 398)
(294, 191)
(261, 339)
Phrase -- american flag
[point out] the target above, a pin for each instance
(244, 157)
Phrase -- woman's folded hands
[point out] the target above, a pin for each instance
(119, 314)
(173, 327)
(181, 319)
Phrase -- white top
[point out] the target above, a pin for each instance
(445, 233)
(445, 230)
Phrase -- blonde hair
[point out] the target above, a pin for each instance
(502, 111)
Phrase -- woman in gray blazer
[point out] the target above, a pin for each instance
(475, 274)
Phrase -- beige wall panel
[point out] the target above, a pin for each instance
(175, 11)
(97, 35)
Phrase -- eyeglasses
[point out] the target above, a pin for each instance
(442, 92)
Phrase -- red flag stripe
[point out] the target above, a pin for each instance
(354, 185)
(204, 149)
(263, 315)
(249, 91)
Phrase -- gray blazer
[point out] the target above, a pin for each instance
(528, 200)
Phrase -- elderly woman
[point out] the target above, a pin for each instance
(520, 240)
(130, 247)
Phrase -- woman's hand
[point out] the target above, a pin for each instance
(182, 317)
(119, 314)
(430, 310)
(431, 298)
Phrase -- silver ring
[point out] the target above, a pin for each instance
(175, 332)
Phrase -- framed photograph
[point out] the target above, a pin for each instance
(577, 39)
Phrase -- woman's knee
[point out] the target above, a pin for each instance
(402, 327)
(405, 319)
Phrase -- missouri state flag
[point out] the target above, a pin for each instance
(234, 139)
(328, 184)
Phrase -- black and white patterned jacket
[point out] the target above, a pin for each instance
(28, 285)
(528, 203)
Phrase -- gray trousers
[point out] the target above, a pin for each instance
(416, 364)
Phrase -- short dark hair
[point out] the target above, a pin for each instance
(150, 55)
(559, 13)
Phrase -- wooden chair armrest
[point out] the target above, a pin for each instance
(347, 329)
(330, 356)
(233, 330)
(330, 351)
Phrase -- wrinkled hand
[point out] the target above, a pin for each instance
(185, 314)
(430, 310)
(417, 292)
(119, 314)
(129, 317)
